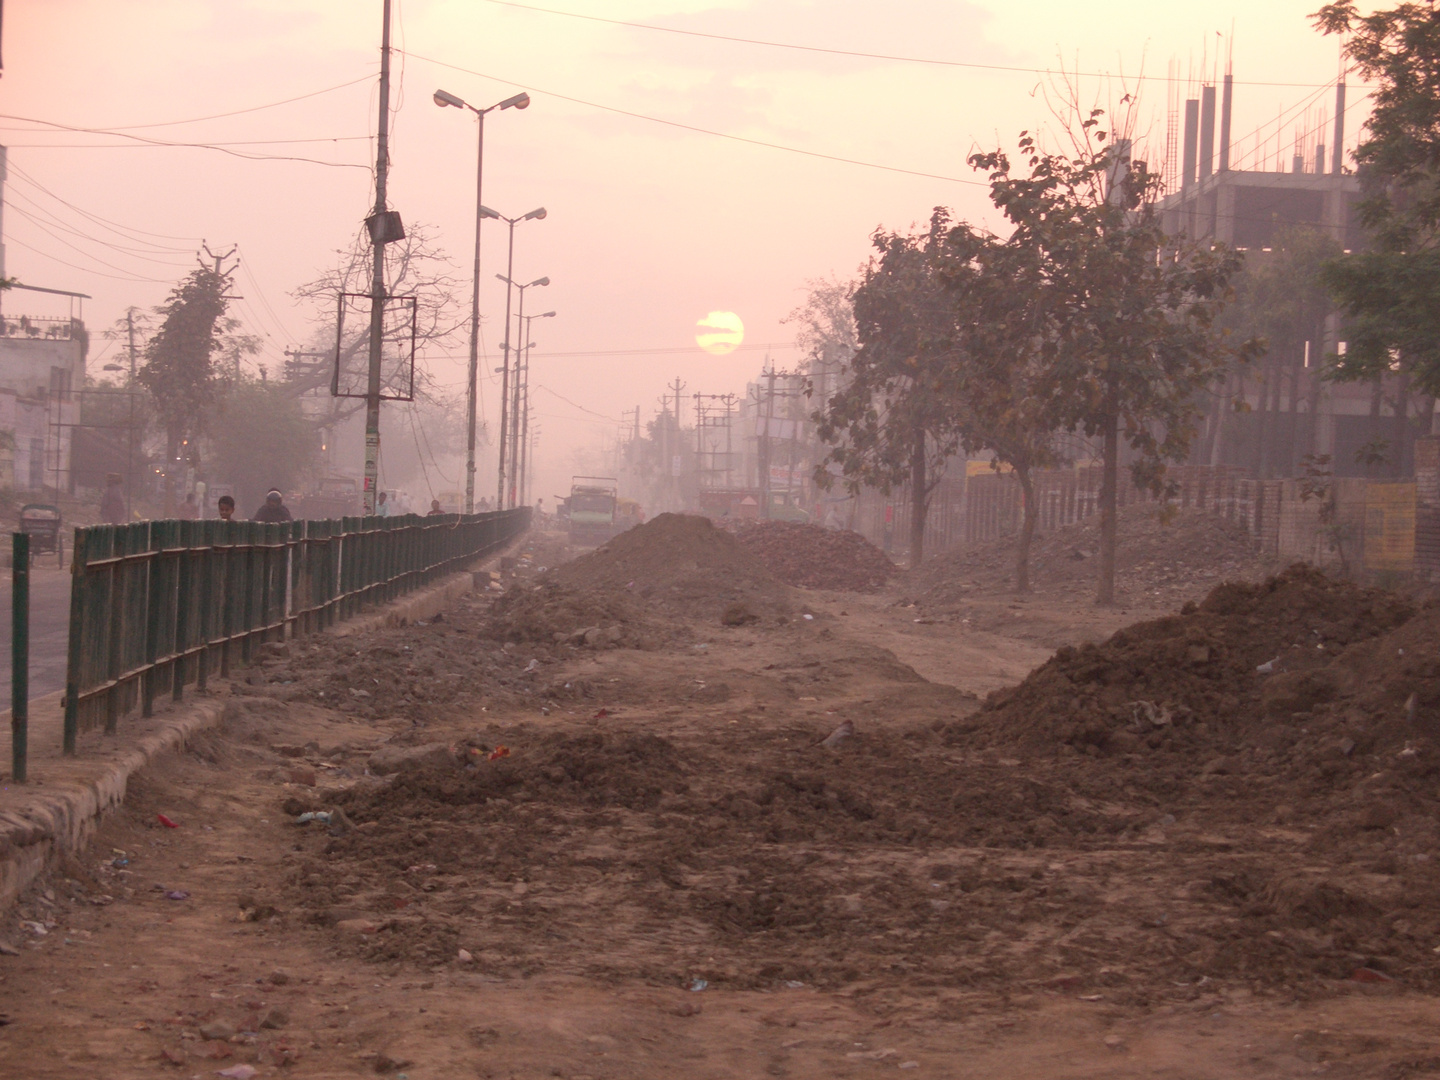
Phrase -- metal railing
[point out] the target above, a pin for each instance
(157, 605)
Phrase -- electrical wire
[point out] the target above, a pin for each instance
(849, 52)
(238, 112)
(79, 251)
(115, 227)
(573, 405)
(187, 145)
(83, 269)
(19, 203)
(706, 131)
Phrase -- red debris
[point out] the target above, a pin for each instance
(498, 752)
(166, 821)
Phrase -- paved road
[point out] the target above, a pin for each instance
(49, 630)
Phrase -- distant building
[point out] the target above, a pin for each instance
(1286, 409)
(42, 364)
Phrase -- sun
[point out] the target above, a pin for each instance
(720, 332)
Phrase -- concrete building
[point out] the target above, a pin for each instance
(42, 364)
(1286, 408)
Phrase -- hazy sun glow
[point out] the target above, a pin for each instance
(720, 332)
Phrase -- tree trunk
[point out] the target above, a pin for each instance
(1289, 460)
(172, 451)
(1109, 499)
(1402, 422)
(1257, 457)
(1027, 529)
(1377, 398)
(919, 499)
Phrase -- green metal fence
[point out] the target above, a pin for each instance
(157, 605)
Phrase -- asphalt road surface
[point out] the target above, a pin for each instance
(49, 629)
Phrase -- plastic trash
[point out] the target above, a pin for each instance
(237, 1072)
(497, 753)
(696, 985)
(322, 816)
(809, 618)
(166, 821)
(1268, 667)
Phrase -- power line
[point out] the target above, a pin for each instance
(18, 203)
(853, 53)
(185, 145)
(83, 269)
(115, 227)
(72, 247)
(165, 145)
(239, 112)
(700, 130)
(573, 405)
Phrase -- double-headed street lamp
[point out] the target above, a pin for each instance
(444, 100)
(523, 375)
(535, 215)
(515, 407)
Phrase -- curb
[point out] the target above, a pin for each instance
(57, 823)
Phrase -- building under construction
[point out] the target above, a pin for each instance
(1267, 419)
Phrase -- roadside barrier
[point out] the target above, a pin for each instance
(157, 605)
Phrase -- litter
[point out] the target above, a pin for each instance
(322, 816)
(163, 820)
(238, 1072)
(696, 985)
(1267, 667)
(809, 618)
(497, 753)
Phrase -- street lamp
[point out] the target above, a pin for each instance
(448, 100)
(523, 375)
(537, 214)
(514, 432)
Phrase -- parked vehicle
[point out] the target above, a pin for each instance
(591, 509)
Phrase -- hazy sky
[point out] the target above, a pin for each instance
(650, 225)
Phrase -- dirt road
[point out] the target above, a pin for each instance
(601, 860)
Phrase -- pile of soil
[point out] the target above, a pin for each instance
(1186, 682)
(1159, 562)
(651, 578)
(814, 557)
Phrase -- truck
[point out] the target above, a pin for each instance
(591, 509)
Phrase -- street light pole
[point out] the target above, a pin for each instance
(526, 344)
(443, 99)
(537, 214)
(515, 408)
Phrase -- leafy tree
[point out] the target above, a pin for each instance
(995, 375)
(260, 438)
(1133, 312)
(179, 371)
(888, 423)
(1388, 292)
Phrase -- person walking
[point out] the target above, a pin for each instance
(274, 510)
(112, 503)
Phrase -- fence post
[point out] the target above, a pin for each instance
(73, 658)
(20, 659)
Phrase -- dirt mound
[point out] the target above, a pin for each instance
(1187, 681)
(814, 557)
(674, 565)
(1159, 562)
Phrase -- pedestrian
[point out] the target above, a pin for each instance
(382, 508)
(435, 510)
(225, 506)
(274, 509)
(112, 503)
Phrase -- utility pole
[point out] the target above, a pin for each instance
(130, 330)
(678, 388)
(380, 232)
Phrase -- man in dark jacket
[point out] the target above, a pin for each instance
(274, 509)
